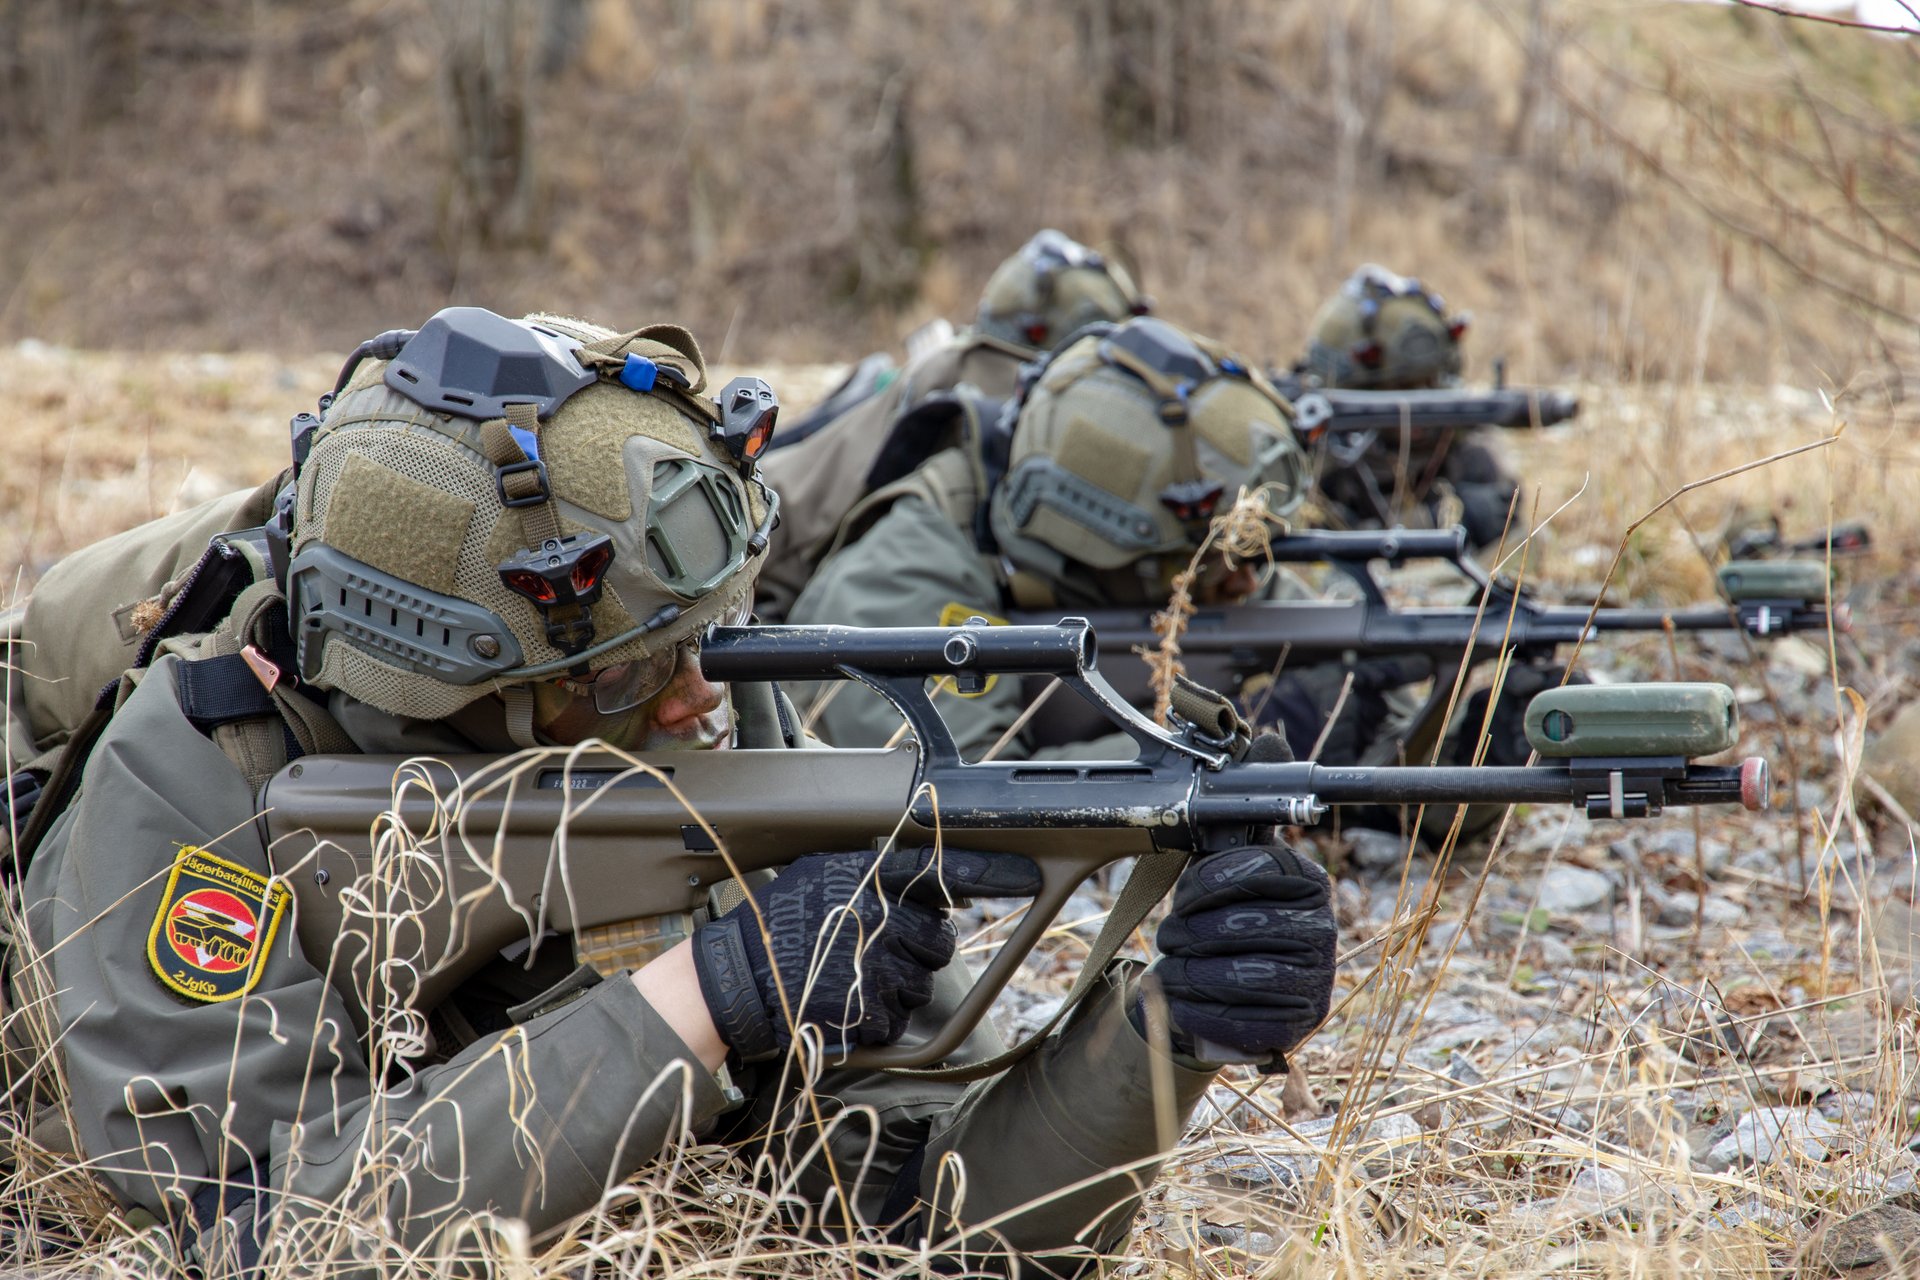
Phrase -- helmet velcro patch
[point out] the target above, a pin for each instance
(396, 523)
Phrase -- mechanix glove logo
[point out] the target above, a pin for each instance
(216, 920)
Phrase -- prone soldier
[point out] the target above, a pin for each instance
(1035, 299)
(465, 569)
(1380, 332)
(1092, 491)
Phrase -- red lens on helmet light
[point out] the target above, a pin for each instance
(531, 585)
(587, 570)
(1456, 327)
(1369, 354)
(1192, 501)
(758, 435)
(1036, 334)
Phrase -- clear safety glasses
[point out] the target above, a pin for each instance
(626, 685)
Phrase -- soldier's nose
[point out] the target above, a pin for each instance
(688, 696)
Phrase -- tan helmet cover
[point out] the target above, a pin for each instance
(411, 494)
(1053, 286)
(1407, 324)
(1096, 448)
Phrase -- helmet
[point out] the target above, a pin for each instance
(1125, 444)
(504, 501)
(1383, 331)
(1053, 286)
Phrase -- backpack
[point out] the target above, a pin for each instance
(827, 466)
(224, 615)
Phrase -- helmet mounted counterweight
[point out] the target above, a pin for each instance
(509, 500)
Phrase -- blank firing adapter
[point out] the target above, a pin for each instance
(1641, 720)
(1743, 580)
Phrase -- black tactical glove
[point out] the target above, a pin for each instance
(1299, 702)
(1247, 954)
(853, 947)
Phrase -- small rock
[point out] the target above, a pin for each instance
(1767, 1134)
(1258, 1170)
(1376, 850)
(1674, 842)
(1349, 904)
(1441, 936)
(1261, 1245)
(1771, 944)
(1677, 910)
(1883, 1241)
(1567, 1119)
(1597, 1183)
(1460, 1070)
(1848, 1107)
(1216, 1235)
(1752, 1211)
(1550, 955)
(1570, 890)
(1441, 1040)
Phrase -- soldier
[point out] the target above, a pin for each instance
(1384, 332)
(1091, 492)
(1036, 298)
(467, 572)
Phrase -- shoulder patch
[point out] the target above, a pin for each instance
(216, 921)
(955, 614)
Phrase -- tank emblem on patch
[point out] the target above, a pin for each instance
(216, 921)
(955, 614)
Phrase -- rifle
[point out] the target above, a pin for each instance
(1352, 421)
(1223, 646)
(486, 852)
(1851, 537)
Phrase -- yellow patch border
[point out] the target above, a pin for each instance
(955, 614)
(273, 897)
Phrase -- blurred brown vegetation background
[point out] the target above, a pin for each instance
(1664, 192)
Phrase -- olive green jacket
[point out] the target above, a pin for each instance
(536, 1120)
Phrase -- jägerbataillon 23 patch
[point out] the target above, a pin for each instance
(216, 920)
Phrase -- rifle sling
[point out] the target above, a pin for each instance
(1151, 879)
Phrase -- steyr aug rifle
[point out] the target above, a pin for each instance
(486, 852)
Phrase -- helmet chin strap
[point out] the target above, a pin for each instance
(518, 700)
